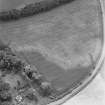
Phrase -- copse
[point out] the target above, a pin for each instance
(9, 62)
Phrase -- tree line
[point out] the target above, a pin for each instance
(31, 9)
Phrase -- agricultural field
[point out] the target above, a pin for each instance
(64, 44)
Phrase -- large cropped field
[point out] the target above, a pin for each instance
(69, 36)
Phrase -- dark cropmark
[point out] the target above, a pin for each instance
(31, 9)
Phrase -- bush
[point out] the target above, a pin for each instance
(6, 103)
(13, 14)
(37, 7)
(45, 89)
(41, 6)
(4, 87)
(3, 46)
(4, 16)
(9, 63)
(32, 97)
(5, 96)
(28, 10)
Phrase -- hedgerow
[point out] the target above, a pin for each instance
(31, 9)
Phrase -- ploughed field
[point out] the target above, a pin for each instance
(64, 44)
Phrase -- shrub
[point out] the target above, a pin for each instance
(9, 63)
(13, 14)
(45, 89)
(6, 103)
(4, 16)
(3, 46)
(5, 96)
(32, 97)
(4, 87)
